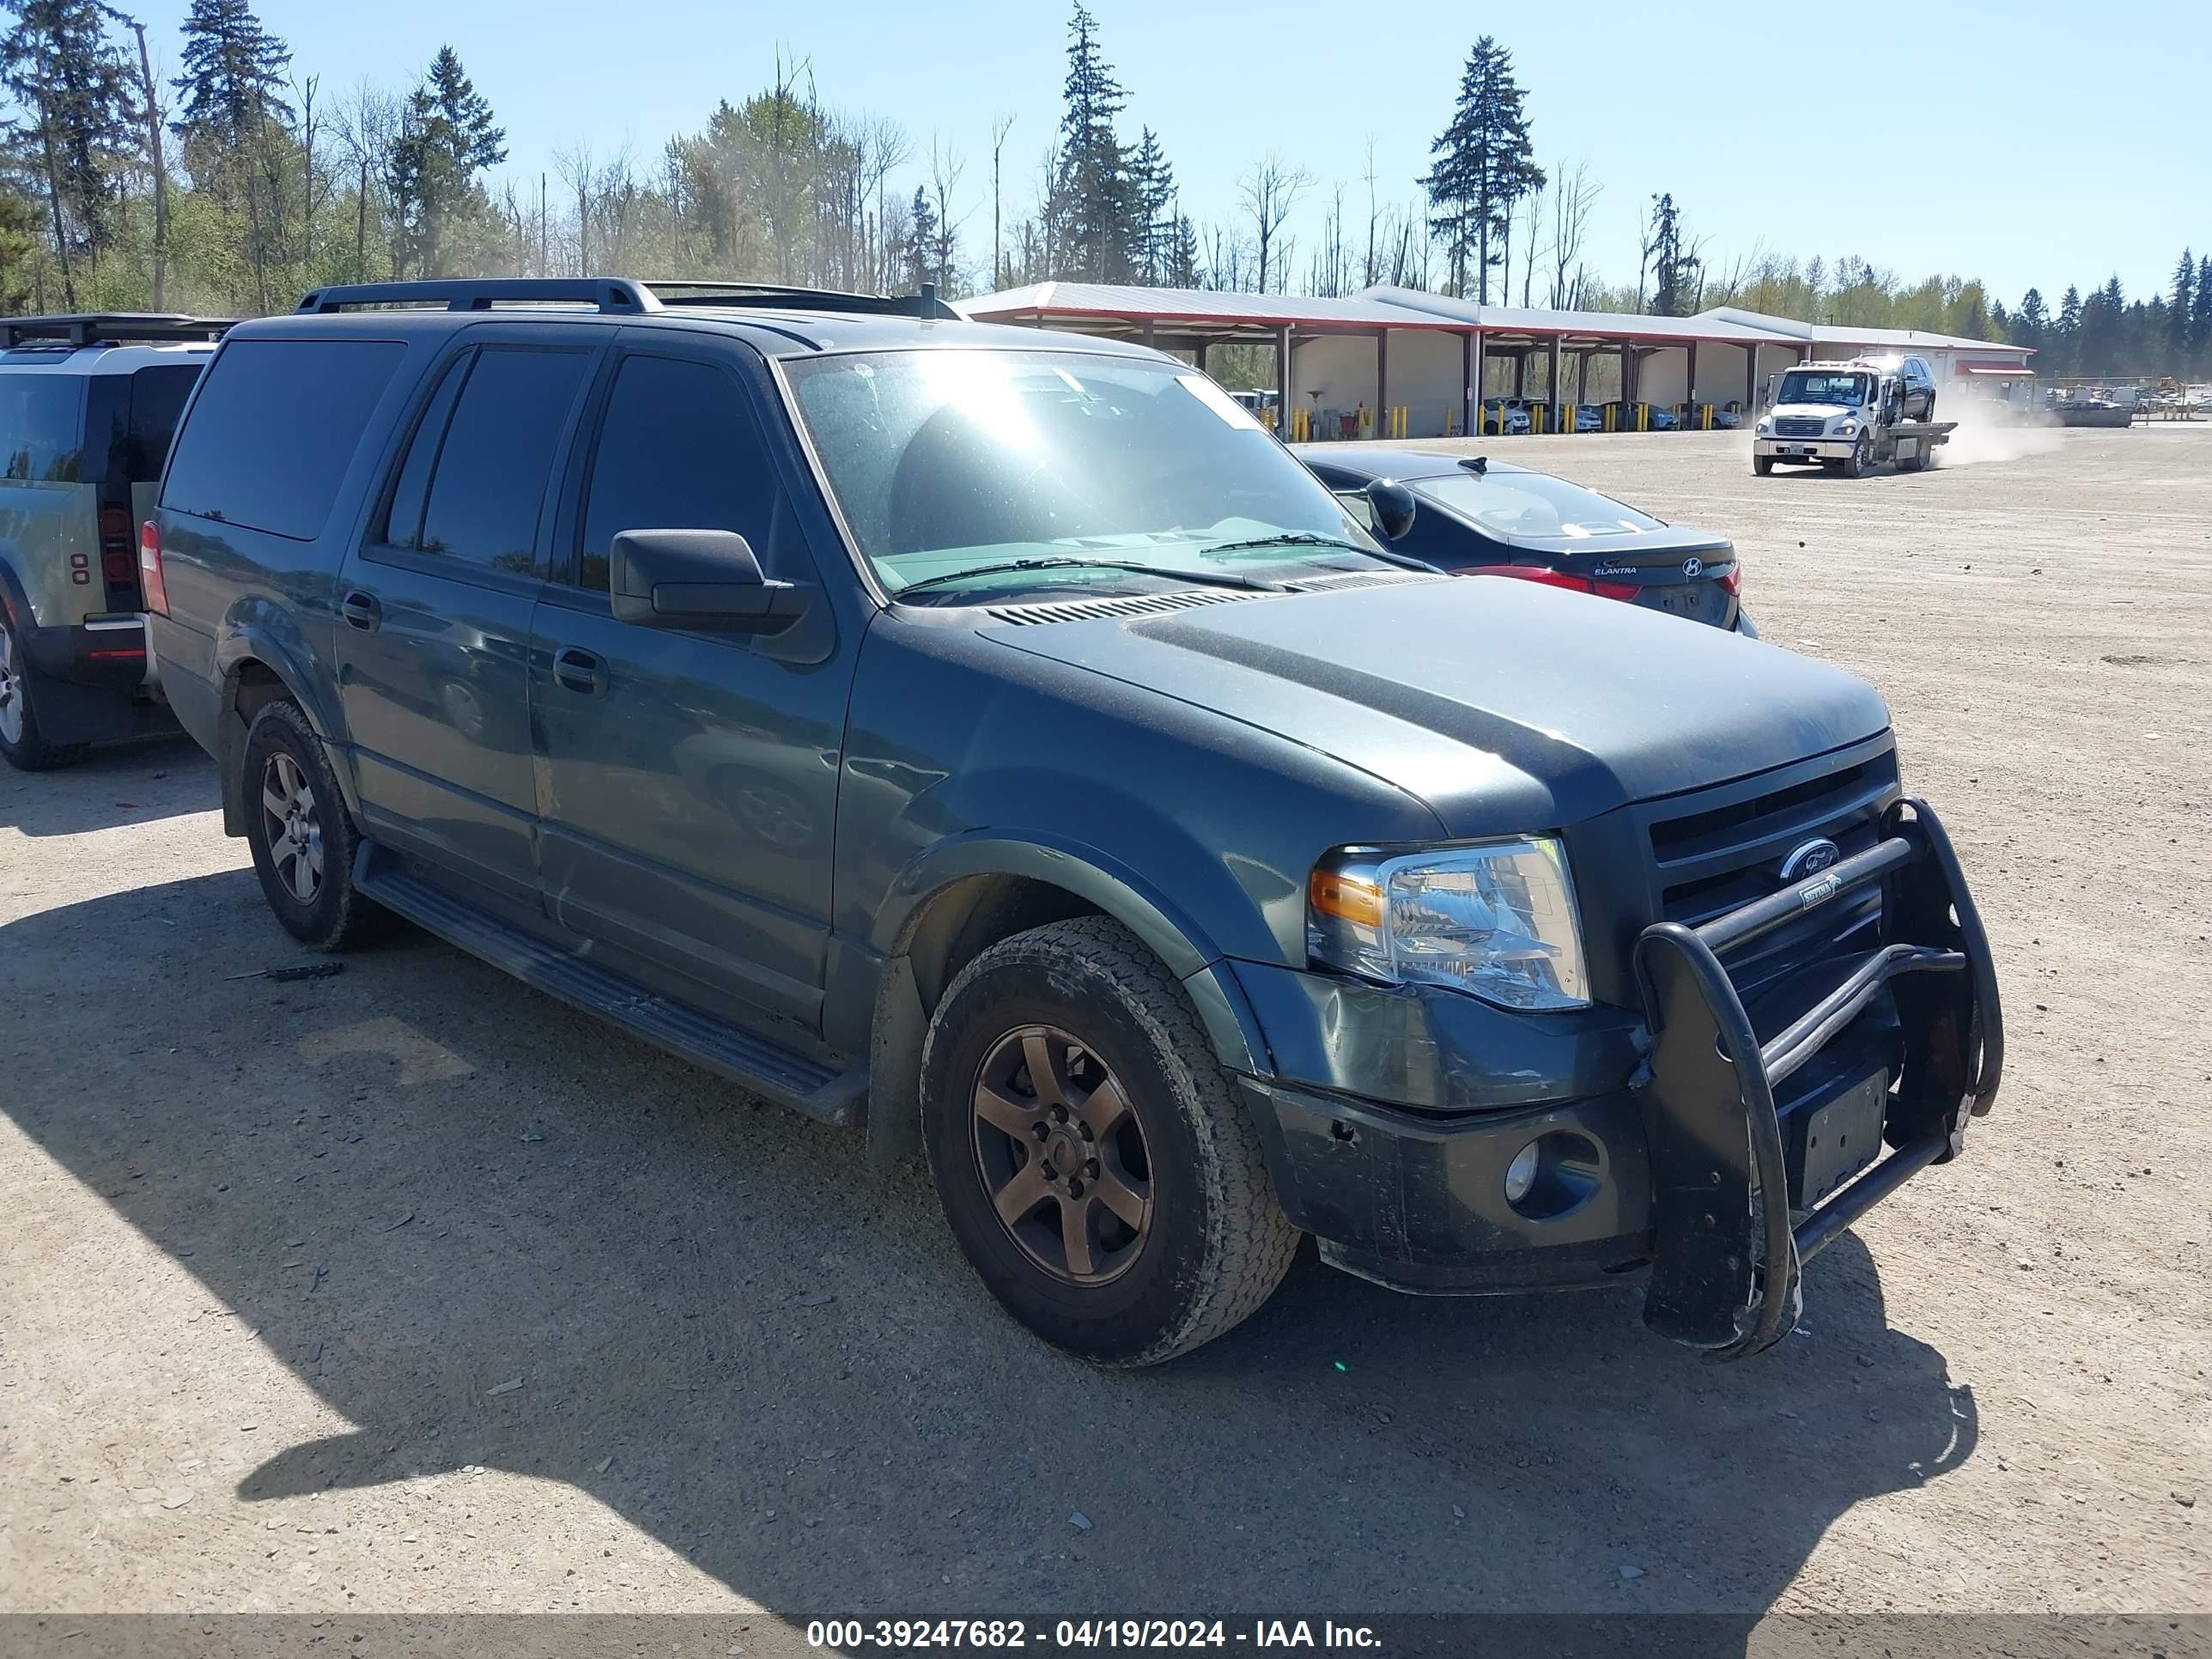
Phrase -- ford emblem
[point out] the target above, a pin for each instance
(1694, 568)
(1809, 859)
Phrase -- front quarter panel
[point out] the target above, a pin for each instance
(962, 758)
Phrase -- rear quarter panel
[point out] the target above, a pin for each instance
(43, 525)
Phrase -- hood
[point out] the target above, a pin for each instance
(1505, 706)
(1812, 411)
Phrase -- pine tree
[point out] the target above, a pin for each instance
(447, 139)
(77, 122)
(2031, 323)
(1090, 206)
(922, 245)
(233, 88)
(2200, 321)
(1152, 197)
(1484, 162)
(1183, 269)
(1675, 269)
(19, 250)
(2180, 313)
(2066, 333)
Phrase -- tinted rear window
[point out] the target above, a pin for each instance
(157, 398)
(273, 430)
(42, 425)
(492, 469)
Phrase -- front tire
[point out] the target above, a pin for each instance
(1090, 1153)
(1762, 464)
(1861, 459)
(302, 838)
(23, 742)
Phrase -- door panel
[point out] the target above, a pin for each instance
(436, 692)
(687, 784)
(688, 803)
(434, 630)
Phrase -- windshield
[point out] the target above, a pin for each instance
(1533, 504)
(1804, 386)
(944, 461)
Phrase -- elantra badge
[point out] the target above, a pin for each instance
(1809, 859)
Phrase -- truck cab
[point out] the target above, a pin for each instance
(1851, 417)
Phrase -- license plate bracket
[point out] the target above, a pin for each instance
(1829, 1144)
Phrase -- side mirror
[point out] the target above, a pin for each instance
(1393, 507)
(703, 580)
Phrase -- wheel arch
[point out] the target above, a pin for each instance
(256, 669)
(964, 897)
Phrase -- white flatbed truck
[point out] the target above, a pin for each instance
(1848, 417)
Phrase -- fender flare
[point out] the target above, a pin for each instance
(1104, 883)
(243, 639)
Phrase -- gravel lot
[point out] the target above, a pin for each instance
(408, 1290)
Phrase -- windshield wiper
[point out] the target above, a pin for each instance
(1307, 538)
(1212, 578)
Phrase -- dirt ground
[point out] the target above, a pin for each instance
(409, 1290)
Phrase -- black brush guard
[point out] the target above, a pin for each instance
(1727, 1261)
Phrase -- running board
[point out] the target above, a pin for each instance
(759, 1064)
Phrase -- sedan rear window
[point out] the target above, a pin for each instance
(271, 435)
(1533, 504)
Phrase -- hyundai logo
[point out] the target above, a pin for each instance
(1809, 859)
(1693, 568)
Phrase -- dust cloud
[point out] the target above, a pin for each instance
(1988, 431)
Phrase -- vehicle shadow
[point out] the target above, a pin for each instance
(420, 1181)
(138, 781)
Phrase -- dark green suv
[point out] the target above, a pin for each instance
(88, 407)
(996, 741)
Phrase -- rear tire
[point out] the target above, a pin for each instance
(302, 838)
(1156, 1228)
(23, 742)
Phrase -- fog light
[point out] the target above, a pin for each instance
(1520, 1172)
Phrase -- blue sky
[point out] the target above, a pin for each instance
(2043, 157)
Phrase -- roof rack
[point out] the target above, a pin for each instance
(686, 292)
(625, 295)
(612, 294)
(91, 328)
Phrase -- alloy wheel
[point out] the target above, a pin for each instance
(1061, 1155)
(11, 690)
(294, 827)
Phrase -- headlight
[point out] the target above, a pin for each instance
(1765, 427)
(1497, 918)
(1848, 430)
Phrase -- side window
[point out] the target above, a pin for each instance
(274, 429)
(403, 521)
(157, 398)
(42, 426)
(489, 481)
(679, 449)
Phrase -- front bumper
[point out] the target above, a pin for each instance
(1804, 449)
(1660, 1152)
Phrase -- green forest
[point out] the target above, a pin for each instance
(236, 185)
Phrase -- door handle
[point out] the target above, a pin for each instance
(362, 610)
(579, 670)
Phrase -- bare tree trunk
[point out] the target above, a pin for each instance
(54, 196)
(360, 225)
(160, 164)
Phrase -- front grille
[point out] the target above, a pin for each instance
(1798, 426)
(1717, 850)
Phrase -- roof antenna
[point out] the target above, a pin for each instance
(1477, 465)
